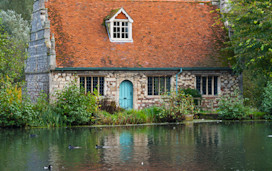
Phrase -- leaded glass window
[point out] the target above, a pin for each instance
(158, 85)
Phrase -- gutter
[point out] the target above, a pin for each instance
(180, 71)
(142, 69)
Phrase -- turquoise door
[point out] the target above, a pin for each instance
(126, 95)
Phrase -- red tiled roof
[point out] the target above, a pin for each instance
(165, 34)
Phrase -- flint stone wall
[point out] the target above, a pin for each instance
(227, 83)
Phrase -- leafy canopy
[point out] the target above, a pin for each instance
(251, 22)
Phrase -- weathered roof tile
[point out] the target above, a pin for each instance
(165, 34)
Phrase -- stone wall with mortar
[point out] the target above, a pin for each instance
(187, 79)
(41, 51)
(227, 83)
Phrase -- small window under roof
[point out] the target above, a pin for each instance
(119, 26)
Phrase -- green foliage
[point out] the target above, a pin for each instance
(251, 41)
(174, 106)
(253, 87)
(15, 26)
(23, 7)
(109, 106)
(267, 99)
(148, 115)
(12, 47)
(46, 114)
(14, 110)
(74, 106)
(232, 107)
(192, 92)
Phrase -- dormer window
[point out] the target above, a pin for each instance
(119, 26)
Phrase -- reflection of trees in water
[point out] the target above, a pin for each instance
(187, 147)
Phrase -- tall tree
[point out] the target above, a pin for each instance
(23, 7)
(251, 22)
(14, 37)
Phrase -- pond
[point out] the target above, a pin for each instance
(192, 146)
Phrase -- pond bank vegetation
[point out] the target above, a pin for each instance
(72, 107)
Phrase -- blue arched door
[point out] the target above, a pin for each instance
(126, 95)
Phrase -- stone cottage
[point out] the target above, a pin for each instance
(131, 51)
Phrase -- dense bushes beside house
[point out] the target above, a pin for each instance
(73, 107)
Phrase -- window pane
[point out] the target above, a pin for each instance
(210, 85)
(115, 23)
(114, 35)
(168, 84)
(204, 82)
(198, 83)
(149, 86)
(126, 23)
(126, 29)
(123, 35)
(82, 82)
(215, 85)
(118, 35)
(118, 29)
(126, 35)
(89, 83)
(101, 86)
(123, 29)
(114, 29)
(156, 85)
(162, 85)
(95, 83)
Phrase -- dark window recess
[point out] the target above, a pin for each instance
(215, 85)
(158, 85)
(82, 82)
(95, 83)
(207, 85)
(198, 83)
(101, 88)
(204, 85)
(89, 84)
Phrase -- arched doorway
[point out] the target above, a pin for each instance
(126, 95)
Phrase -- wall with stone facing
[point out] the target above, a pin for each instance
(40, 51)
(227, 84)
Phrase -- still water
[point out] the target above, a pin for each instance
(198, 146)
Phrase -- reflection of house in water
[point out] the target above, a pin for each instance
(207, 135)
(129, 146)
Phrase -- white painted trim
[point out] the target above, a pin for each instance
(118, 12)
(121, 40)
(129, 20)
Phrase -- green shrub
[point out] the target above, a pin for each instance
(175, 106)
(194, 93)
(267, 99)
(46, 113)
(147, 115)
(74, 106)
(232, 107)
(14, 110)
(108, 105)
(153, 114)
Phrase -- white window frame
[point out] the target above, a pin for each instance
(110, 26)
